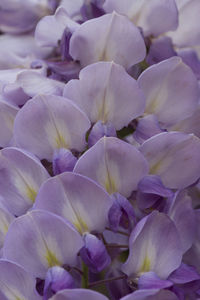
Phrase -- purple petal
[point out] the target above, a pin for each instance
(118, 165)
(189, 57)
(107, 93)
(100, 130)
(76, 198)
(184, 274)
(91, 10)
(63, 160)
(57, 279)
(154, 246)
(65, 70)
(170, 154)
(94, 253)
(150, 280)
(118, 40)
(21, 175)
(42, 242)
(121, 213)
(150, 190)
(147, 127)
(171, 91)
(47, 123)
(160, 49)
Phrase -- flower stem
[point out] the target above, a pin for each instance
(84, 280)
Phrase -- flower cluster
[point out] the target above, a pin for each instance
(100, 149)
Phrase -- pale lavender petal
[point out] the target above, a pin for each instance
(76, 198)
(57, 23)
(19, 16)
(188, 125)
(72, 7)
(6, 219)
(151, 16)
(7, 115)
(118, 40)
(47, 123)
(154, 294)
(187, 33)
(106, 92)
(79, 294)
(191, 257)
(21, 176)
(42, 242)
(170, 154)
(171, 91)
(19, 51)
(34, 83)
(154, 246)
(183, 215)
(118, 165)
(16, 283)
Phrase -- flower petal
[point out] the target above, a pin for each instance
(42, 242)
(118, 40)
(154, 246)
(20, 178)
(118, 165)
(16, 283)
(170, 154)
(171, 91)
(107, 93)
(76, 198)
(47, 123)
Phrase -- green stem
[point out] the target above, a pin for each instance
(84, 280)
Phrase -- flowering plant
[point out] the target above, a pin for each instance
(100, 149)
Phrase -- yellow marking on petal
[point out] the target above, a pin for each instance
(80, 225)
(155, 168)
(146, 266)
(110, 185)
(52, 259)
(60, 141)
(31, 193)
(5, 228)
